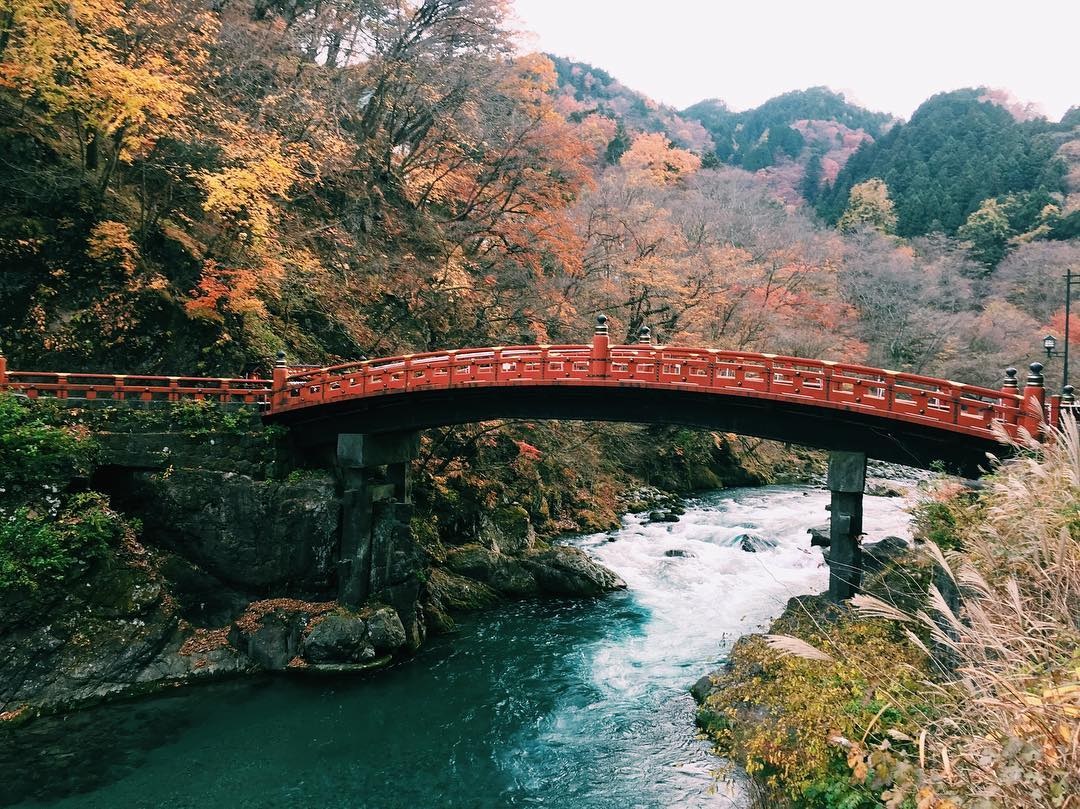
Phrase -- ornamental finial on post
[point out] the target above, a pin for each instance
(644, 335)
(601, 353)
(1010, 384)
(1035, 375)
(1033, 406)
(1068, 396)
(281, 371)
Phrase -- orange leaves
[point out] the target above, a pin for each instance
(527, 450)
(110, 245)
(652, 158)
(227, 289)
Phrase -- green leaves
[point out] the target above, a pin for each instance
(48, 535)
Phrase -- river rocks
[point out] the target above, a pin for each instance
(474, 561)
(342, 638)
(701, 689)
(820, 536)
(449, 591)
(508, 530)
(663, 516)
(567, 571)
(561, 570)
(876, 555)
(505, 575)
(386, 633)
(752, 543)
(881, 488)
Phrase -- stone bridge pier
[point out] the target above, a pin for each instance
(379, 559)
(846, 480)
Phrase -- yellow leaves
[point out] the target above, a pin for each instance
(869, 205)
(124, 69)
(110, 244)
(245, 197)
(653, 159)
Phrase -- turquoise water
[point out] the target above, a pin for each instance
(540, 704)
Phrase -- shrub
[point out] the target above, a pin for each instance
(39, 552)
(786, 719)
(49, 532)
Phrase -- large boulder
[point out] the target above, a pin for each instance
(385, 631)
(474, 561)
(342, 638)
(245, 532)
(567, 571)
(876, 555)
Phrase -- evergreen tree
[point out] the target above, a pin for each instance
(618, 144)
(811, 181)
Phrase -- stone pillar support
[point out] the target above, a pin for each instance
(847, 477)
(374, 472)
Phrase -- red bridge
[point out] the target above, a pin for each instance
(906, 418)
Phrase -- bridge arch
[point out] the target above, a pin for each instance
(904, 418)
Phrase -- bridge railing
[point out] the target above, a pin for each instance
(841, 385)
(82, 388)
(904, 396)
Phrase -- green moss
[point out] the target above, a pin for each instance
(782, 718)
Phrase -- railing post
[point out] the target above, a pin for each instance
(3, 369)
(1068, 403)
(644, 335)
(281, 377)
(601, 352)
(1032, 413)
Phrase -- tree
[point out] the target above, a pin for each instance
(618, 145)
(869, 205)
(811, 181)
(987, 231)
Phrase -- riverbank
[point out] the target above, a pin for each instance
(218, 558)
(568, 703)
(953, 681)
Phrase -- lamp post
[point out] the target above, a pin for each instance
(1050, 342)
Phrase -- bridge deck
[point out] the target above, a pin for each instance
(808, 386)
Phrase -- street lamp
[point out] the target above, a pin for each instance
(1050, 343)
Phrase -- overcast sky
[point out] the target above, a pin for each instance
(885, 55)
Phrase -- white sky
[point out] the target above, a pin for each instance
(888, 55)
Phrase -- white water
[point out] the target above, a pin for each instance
(564, 704)
(697, 606)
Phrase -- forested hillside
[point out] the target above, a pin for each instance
(189, 187)
(959, 149)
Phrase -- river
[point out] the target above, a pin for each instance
(561, 704)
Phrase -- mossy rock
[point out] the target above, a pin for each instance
(512, 520)
(449, 592)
